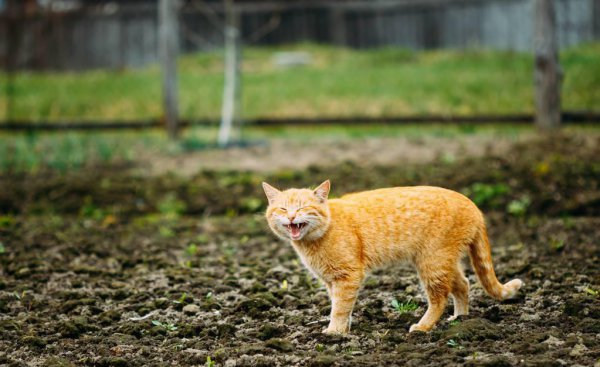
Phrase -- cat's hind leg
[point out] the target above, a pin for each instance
(460, 294)
(437, 281)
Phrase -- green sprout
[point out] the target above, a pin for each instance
(557, 244)
(404, 307)
(452, 343)
(181, 299)
(589, 290)
(168, 327)
(518, 208)
(191, 250)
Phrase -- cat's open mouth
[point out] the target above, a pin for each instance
(295, 228)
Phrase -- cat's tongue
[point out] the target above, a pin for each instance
(295, 230)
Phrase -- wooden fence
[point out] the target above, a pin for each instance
(117, 37)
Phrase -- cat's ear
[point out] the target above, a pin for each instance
(270, 191)
(323, 190)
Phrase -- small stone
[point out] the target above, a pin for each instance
(279, 344)
(530, 317)
(553, 341)
(191, 309)
(268, 331)
(578, 350)
(323, 360)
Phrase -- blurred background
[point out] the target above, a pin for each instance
(252, 73)
(135, 134)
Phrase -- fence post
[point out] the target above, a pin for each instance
(596, 19)
(168, 48)
(231, 109)
(547, 68)
(337, 26)
(14, 10)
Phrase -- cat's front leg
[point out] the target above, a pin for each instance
(343, 295)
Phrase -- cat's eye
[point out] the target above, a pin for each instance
(284, 209)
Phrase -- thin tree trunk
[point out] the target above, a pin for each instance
(547, 68)
(168, 35)
(231, 109)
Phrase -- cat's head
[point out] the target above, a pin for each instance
(298, 214)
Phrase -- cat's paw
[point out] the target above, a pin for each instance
(417, 327)
(332, 331)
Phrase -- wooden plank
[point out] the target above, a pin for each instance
(573, 117)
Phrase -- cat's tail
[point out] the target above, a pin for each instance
(481, 258)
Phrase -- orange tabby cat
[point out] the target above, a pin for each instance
(339, 240)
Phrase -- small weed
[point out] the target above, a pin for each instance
(452, 343)
(486, 194)
(90, 210)
(557, 244)
(209, 362)
(518, 208)
(191, 250)
(181, 299)
(2, 248)
(166, 232)
(320, 348)
(284, 284)
(348, 350)
(6, 221)
(209, 295)
(589, 290)
(171, 207)
(404, 307)
(454, 322)
(168, 327)
(568, 222)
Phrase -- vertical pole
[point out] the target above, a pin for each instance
(168, 40)
(13, 12)
(231, 90)
(596, 19)
(547, 68)
(337, 26)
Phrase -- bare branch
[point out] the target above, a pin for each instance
(265, 29)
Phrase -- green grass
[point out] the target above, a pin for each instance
(340, 82)
(404, 307)
(67, 151)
